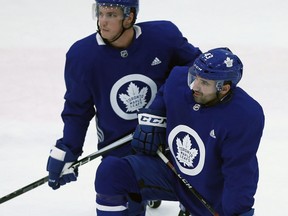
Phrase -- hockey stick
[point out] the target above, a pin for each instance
(79, 163)
(187, 184)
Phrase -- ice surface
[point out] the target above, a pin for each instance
(34, 38)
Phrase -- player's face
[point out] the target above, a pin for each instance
(110, 21)
(204, 90)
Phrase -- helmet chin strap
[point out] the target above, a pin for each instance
(219, 99)
(116, 37)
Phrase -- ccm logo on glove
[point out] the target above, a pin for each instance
(152, 120)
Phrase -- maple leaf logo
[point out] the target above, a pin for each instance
(228, 62)
(186, 154)
(135, 99)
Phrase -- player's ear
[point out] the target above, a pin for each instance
(225, 89)
(129, 20)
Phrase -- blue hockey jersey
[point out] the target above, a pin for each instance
(214, 148)
(114, 84)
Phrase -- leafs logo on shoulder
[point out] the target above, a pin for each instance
(131, 93)
(187, 149)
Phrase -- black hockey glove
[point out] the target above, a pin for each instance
(150, 133)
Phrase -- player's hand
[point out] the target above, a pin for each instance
(150, 133)
(59, 166)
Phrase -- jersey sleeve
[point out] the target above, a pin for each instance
(240, 166)
(184, 53)
(169, 38)
(158, 102)
(78, 108)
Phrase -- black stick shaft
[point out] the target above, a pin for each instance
(187, 184)
(74, 165)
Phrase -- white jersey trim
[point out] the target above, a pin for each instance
(57, 153)
(137, 30)
(110, 208)
(101, 42)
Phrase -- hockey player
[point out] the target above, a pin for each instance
(111, 74)
(213, 130)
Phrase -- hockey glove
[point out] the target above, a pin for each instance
(58, 166)
(150, 133)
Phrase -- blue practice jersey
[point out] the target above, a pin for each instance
(214, 148)
(115, 83)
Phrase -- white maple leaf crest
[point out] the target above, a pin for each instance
(135, 99)
(186, 154)
(228, 62)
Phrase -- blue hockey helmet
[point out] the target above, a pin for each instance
(218, 64)
(128, 6)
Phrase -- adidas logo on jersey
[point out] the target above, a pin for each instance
(212, 134)
(156, 61)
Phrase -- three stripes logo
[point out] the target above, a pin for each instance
(156, 61)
